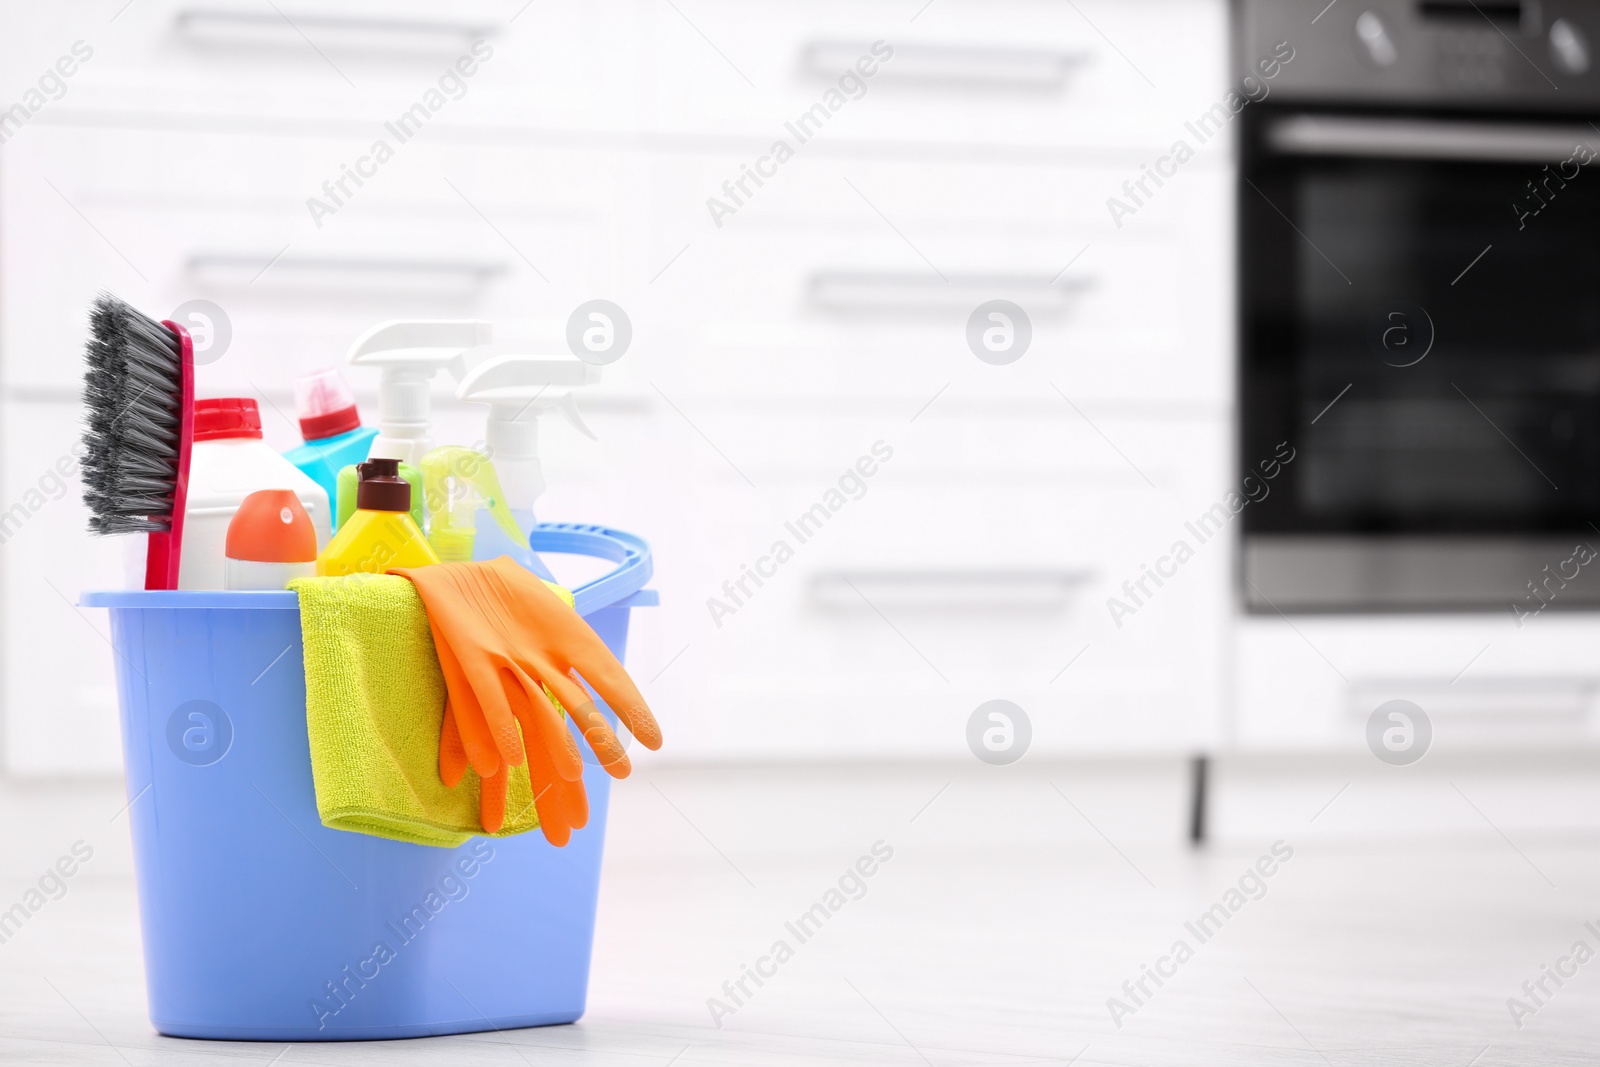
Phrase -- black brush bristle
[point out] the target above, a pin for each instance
(132, 390)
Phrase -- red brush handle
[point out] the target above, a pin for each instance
(165, 549)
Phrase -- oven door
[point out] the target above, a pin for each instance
(1420, 323)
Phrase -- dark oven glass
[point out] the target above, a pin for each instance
(1449, 310)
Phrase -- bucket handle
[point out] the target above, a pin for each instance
(631, 554)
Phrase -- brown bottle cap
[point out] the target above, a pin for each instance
(380, 488)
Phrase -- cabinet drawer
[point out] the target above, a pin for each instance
(861, 277)
(561, 66)
(961, 75)
(1484, 683)
(934, 586)
(506, 234)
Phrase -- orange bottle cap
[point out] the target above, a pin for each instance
(272, 527)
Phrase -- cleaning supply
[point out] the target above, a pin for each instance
(139, 392)
(331, 427)
(350, 479)
(230, 461)
(231, 861)
(519, 389)
(507, 645)
(381, 533)
(409, 354)
(270, 542)
(459, 483)
(375, 701)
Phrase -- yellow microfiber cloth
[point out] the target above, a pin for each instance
(374, 703)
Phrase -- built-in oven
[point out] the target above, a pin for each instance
(1419, 243)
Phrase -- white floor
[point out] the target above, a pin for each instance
(1018, 900)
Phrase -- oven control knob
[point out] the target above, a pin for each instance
(1376, 39)
(1569, 47)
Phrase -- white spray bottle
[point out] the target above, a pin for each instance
(409, 354)
(518, 389)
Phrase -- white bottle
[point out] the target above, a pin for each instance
(518, 389)
(229, 462)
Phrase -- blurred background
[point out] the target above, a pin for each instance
(772, 346)
(1228, 375)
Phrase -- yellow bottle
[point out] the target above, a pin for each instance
(380, 534)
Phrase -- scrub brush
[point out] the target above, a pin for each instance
(139, 394)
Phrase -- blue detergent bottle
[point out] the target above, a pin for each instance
(331, 427)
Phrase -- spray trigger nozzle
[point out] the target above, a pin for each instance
(458, 482)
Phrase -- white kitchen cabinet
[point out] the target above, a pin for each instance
(769, 353)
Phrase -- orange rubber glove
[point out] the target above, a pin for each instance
(506, 645)
(562, 806)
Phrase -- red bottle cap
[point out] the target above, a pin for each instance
(325, 405)
(334, 423)
(216, 418)
(272, 527)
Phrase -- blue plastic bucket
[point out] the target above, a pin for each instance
(260, 923)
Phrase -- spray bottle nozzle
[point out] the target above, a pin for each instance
(518, 389)
(457, 483)
(409, 354)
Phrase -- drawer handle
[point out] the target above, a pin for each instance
(237, 269)
(885, 291)
(1041, 590)
(954, 66)
(212, 26)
